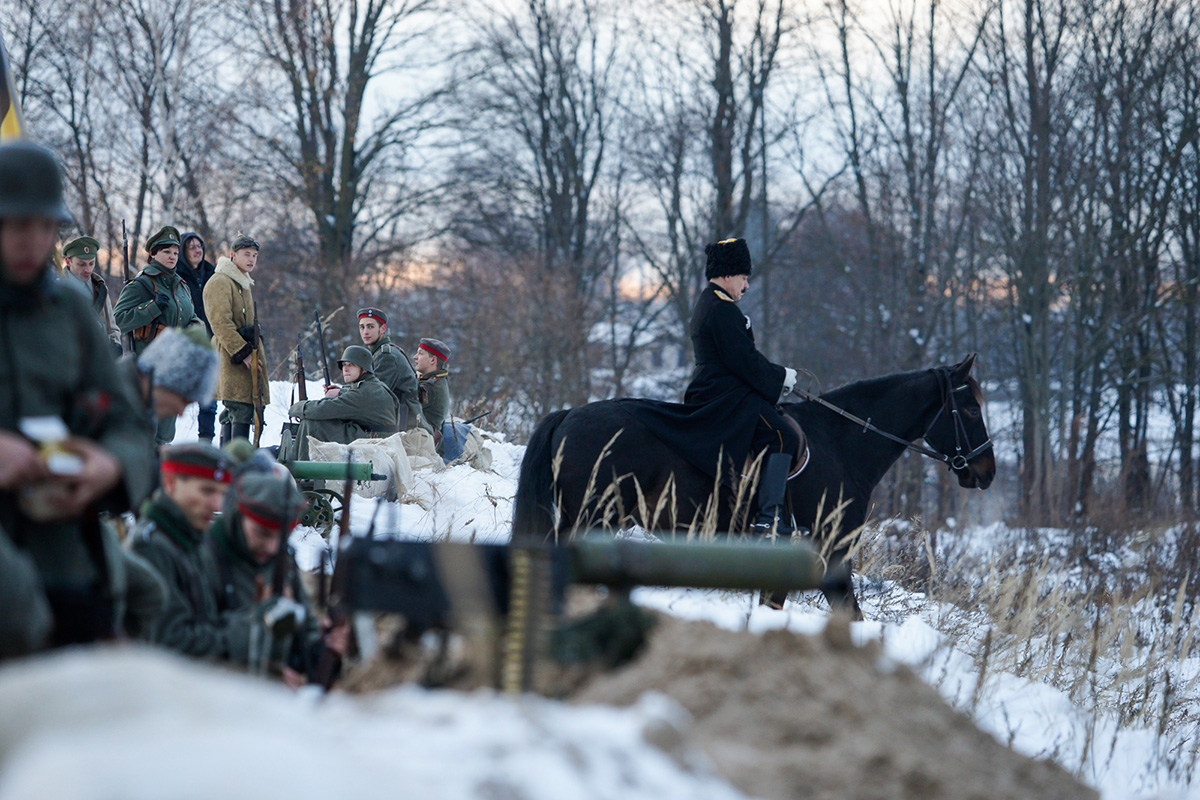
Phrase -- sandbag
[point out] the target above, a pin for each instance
(387, 456)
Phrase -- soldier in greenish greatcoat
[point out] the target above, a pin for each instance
(57, 376)
(278, 634)
(25, 623)
(392, 366)
(169, 533)
(156, 299)
(79, 261)
(434, 384)
(229, 303)
(362, 408)
(177, 369)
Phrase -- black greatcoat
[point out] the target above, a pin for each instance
(732, 386)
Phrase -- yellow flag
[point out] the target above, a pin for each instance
(12, 124)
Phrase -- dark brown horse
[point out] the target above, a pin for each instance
(597, 466)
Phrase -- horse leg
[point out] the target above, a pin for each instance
(838, 586)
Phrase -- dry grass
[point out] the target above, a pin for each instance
(1116, 641)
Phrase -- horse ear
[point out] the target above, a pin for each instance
(963, 368)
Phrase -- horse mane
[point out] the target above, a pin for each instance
(872, 386)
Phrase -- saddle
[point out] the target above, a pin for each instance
(801, 456)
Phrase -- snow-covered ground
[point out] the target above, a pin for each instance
(449, 745)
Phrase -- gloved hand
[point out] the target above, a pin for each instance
(281, 616)
(247, 333)
(162, 301)
(789, 382)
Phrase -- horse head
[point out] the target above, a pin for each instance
(959, 431)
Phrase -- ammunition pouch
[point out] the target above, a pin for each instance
(147, 333)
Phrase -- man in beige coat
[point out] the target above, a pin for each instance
(229, 301)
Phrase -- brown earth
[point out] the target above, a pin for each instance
(788, 716)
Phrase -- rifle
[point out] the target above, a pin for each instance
(324, 352)
(443, 586)
(126, 338)
(255, 360)
(330, 663)
(476, 418)
(301, 386)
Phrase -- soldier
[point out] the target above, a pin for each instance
(183, 367)
(155, 300)
(79, 260)
(195, 270)
(57, 372)
(230, 304)
(434, 384)
(281, 632)
(391, 366)
(195, 478)
(362, 408)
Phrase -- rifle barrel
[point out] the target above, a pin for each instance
(324, 353)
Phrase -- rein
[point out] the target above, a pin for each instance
(958, 461)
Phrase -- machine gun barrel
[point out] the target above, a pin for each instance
(333, 471)
(715, 565)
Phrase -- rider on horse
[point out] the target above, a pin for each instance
(728, 416)
(733, 376)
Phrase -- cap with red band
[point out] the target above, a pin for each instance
(373, 313)
(437, 347)
(196, 460)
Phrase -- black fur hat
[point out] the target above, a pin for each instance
(728, 257)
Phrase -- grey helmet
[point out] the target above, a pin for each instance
(31, 182)
(359, 356)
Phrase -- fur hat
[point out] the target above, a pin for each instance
(183, 362)
(727, 257)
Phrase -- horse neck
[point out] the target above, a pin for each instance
(904, 405)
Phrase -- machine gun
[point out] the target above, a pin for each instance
(519, 589)
(324, 504)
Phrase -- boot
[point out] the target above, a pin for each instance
(225, 434)
(772, 495)
(241, 429)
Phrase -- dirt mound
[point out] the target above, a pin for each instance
(789, 716)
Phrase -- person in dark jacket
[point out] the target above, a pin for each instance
(728, 417)
(72, 444)
(281, 635)
(156, 299)
(195, 269)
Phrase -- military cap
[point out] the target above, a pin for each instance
(164, 237)
(197, 460)
(437, 347)
(373, 313)
(241, 242)
(725, 258)
(265, 492)
(359, 356)
(30, 182)
(83, 247)
(184, 362)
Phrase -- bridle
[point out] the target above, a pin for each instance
(958, 461)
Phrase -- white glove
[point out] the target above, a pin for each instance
(789, 381)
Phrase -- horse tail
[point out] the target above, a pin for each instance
(533, 508)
